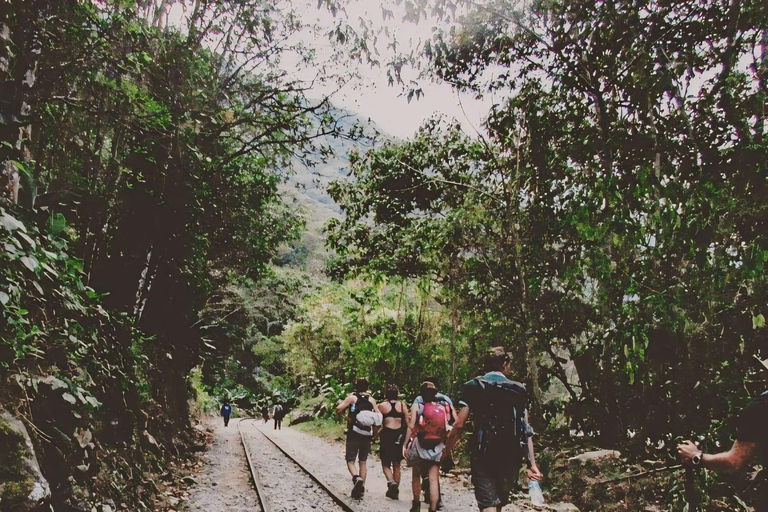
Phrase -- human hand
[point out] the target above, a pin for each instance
(535, 474)
(686, 452)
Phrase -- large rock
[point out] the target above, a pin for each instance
(563, 507)
(595, 456)
(24, 487)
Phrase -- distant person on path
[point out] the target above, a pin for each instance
(277, 414)
(392, 435)
(265, 414)
(502, 438)
(226, 412)
(751, 442)
(427, 432)
(362, 417)
(447, 462)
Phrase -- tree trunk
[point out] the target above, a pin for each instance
(21, 32)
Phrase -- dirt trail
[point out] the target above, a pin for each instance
(326, 460)
(224, 482)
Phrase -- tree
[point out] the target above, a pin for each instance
(607, 213)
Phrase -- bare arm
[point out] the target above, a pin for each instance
(376, 428)
(455, 433)
(411, 423)
(731, 461)
(344, 404)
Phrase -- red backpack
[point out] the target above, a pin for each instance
(432, 425)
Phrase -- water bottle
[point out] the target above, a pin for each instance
(534, 491)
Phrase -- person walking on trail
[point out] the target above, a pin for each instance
(426, 435)
(362, 418)
(751, 442)
(392, 434)
(447, 462)
(278, 414)
(502, 437)
(265, 414)
(226, 412)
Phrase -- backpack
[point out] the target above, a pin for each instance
(501, 434)
(432, 425)
(226, 410)
(363, 403)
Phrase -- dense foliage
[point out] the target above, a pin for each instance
(76, 371)
(609, 225)
(148, 141)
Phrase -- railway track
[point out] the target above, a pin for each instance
(276, 501)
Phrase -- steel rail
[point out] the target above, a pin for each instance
(265, 506)
(339, 499)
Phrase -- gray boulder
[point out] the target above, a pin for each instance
(595, 456)
(26, 487)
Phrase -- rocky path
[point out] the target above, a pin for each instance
(326, 460)
(286, 486)
(224, 482)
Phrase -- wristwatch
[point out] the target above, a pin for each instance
(696, 459)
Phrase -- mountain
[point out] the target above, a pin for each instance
(306, 188)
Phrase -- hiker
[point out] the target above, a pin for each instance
(751, 442)
(502, 438)
(278, 414)
(426, 435)
(392, 434)
(362, 418)
(265, 414)
(226, 412)
(447, 463)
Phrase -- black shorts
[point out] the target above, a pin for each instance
(358, 447)
(493, 483)
(391, 451)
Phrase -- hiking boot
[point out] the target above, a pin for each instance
(393, 491)
(415, 506)
(358, 490)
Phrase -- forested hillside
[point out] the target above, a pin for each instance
(145, 155)
(184, 221)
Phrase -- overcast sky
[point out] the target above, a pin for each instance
(370, 96)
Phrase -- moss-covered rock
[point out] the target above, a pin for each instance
(22, 485)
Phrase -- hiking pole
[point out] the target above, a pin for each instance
(691, 493)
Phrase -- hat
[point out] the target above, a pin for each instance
(499, 352)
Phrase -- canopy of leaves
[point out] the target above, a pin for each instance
(610, 216)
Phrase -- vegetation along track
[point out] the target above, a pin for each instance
(282, 482)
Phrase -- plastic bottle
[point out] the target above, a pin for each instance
(534, 491)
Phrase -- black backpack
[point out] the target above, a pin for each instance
(363, 403)
(501, 429)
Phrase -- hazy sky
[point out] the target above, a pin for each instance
(370, 96)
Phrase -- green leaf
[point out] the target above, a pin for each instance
(69, 398)
(55, 383)
(11, 223)
(30, 262)
(758, 321)
(29, 240)
(4, 298)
